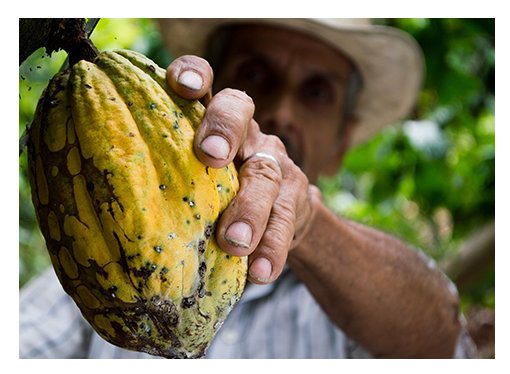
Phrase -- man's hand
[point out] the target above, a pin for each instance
(273, 207)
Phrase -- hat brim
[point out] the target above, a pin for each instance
(389, 60)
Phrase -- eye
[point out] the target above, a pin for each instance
(317, 91)
(253, 75)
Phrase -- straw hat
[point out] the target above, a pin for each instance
(389, 60)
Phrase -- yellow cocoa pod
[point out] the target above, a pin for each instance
(128, 211)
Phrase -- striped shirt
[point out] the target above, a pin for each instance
(279, 320)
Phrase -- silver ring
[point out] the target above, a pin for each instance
(264, 155)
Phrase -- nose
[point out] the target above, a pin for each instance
(277, 116)
(280, 117)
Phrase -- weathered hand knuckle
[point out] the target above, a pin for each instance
(301, 177)
(248, 104)
(277, 242)
(233, 117)
(241, 95)
(294, 174)
(194, 61)
(284, 209)
(263, 169)
(247, 98)
(223, 121)
(275, 142)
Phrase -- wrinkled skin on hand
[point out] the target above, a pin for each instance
(273, 207)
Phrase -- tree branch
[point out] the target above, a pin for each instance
(474, 258)
(54, 34)
(69, 34)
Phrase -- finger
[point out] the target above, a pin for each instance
(243, 223)
(266, 262)
(190, 77)
(223, 128)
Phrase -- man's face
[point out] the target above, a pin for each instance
(298, 85)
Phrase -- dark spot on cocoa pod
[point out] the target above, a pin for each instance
(202, 269)
(144, 272)
(201, 290)
(208, 231)
(201, 246)
(165, 310)
(188, 302)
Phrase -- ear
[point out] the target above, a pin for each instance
(340, 147)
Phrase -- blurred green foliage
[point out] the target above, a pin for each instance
(429, 179)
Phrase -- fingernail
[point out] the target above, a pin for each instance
(239, 234)
(261, 269)
(191, 80)
(216, 147)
